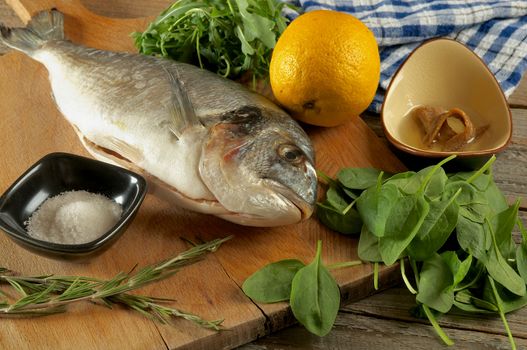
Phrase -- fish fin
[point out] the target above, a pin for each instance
(45, 26)
(181, 109)
(124, 150)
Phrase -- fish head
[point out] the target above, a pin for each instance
(259, 164)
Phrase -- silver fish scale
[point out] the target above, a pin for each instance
(116, 77)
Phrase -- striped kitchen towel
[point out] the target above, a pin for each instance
(496, 30)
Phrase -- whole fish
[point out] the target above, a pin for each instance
(204, 141)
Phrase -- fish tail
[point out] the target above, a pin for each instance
(45, 26)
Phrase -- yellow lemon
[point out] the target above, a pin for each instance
(325, 68)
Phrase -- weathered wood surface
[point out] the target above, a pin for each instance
(382, 321)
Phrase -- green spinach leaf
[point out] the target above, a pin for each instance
(475, 212)
(436, 185)
(336, 198)
(502, 272)
(466, 301)
(351, 194)
(350, 223)
(358, 178)
(368, 249)
(469, 194)
(521, 252)
(435, 230)
(272, 283)
(495, 198)
(315, 296)
(435, 282)
(472, 237)
(401, 180)
(374, 206)
(404, 220)
(458, 268)
(502, 225)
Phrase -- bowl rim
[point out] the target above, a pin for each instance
(82, 248)
(441, 154)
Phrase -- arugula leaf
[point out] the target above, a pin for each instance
(256, 26)
(226, 37)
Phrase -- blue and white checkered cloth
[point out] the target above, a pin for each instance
(496, 30)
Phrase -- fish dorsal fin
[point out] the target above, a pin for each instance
(181, 109)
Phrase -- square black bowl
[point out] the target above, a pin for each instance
(60, 172)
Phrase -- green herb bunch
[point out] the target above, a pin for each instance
(229, 37)
(454, 229)
(50, 294)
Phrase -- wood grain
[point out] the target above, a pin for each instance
(126, 8)
(518, 99)
(363, 331)
(84, 26)
(31, 126)
(510, 167)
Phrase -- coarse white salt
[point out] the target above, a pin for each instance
(73, 217)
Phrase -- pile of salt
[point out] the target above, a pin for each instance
(73, 217)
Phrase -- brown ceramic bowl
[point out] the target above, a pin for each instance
(445, 73)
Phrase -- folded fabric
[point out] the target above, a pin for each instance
(496, 30)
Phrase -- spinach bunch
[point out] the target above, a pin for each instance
(228, 37)
(454, 229)
(312, 291)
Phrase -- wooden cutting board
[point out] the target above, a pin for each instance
(31, 127)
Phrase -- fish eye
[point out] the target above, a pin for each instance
(290, 154)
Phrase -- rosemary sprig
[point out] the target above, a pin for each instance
(50, 294)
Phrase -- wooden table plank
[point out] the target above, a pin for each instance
(358, 332)
(518, 99)
(510, 169)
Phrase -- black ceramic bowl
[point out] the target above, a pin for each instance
(60, 172)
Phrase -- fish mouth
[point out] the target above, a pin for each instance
(306, 209)
(298, 210)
